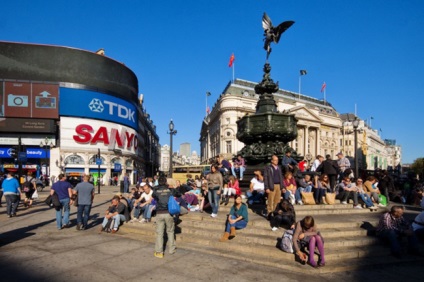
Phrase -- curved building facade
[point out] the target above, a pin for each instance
(64, 106)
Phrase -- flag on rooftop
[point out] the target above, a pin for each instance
(303, 72)
(323, 86)
(232, 58)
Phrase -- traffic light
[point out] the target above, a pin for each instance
(14, 152)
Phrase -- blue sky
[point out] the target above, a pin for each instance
(369, 53)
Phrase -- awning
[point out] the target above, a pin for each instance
(74, 169)
(95, 170)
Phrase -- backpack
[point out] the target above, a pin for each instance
(287, 241)
(27, 185)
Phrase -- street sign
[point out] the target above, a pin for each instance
(117, 167)
(22, 157)
(98, 161)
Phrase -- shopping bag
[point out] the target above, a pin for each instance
(173, 206)
(35, 195)
(308, 198)
(330, 198)
(383, 199)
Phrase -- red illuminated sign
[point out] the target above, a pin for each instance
(87, 135)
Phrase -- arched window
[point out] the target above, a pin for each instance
(74, 159)
(116, 161)
(92, 161)
(129, 163)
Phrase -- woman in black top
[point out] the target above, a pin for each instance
(284, 216)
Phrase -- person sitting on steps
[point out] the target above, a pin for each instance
(239, 165)
(284, 216)
(322, 186)
(256, 189)
(291, 192)
(364, 196)
(232, 190)
(347, 190)
(237, 219)
(116, 212)
(306, 234)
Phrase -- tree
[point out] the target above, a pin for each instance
(418, 167)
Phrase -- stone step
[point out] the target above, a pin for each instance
(312, 210)
(323, 221)
(330, 231)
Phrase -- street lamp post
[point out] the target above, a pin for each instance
(171, 132)
(47, 144)
(355, 124)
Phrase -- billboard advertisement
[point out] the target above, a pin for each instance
(91, 104)
(31, 153)
(29, 100)
(77, 134)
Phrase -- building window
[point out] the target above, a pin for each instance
(229, 147)
(74, 159)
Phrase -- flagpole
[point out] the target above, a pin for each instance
(325, 89)
(233, 71)
(300, 83)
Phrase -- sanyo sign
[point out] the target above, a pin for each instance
(97, 105)
(88, 133)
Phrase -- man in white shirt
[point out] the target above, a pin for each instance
(144, 203)
(257, 188)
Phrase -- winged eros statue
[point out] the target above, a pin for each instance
(271, 33)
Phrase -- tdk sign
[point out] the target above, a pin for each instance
(97, 105)
(123, 112)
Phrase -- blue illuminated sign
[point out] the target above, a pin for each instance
(30, 153)
(91, 104)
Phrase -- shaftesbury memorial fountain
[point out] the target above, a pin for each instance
(267, 132)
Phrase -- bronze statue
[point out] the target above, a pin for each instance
(271, 33)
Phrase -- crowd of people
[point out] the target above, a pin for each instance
(280, 186)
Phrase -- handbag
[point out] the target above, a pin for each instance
(287, 241)
(382, 199)
(35, 195)
(173, 206)
(330, 198)
(48, 201)
(308, 198)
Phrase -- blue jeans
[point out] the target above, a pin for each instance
(66, 210)
(241, 169)
(254, 197)
(297, 196)
(393, 237)
(148, 211)
(12, 204)
(118, 218)
(307, 189)
(214, 200)
(238, 225)
(83, 214)
(367, 200)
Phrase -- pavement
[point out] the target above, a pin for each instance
(32, 249)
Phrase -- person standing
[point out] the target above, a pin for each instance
(317, 162)
(63, 189)
(344, 166)
(330, 168)
(85, 194)
(164, 220)
(273, 182)
(126, 183)
(215, 184)
(12, 193)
